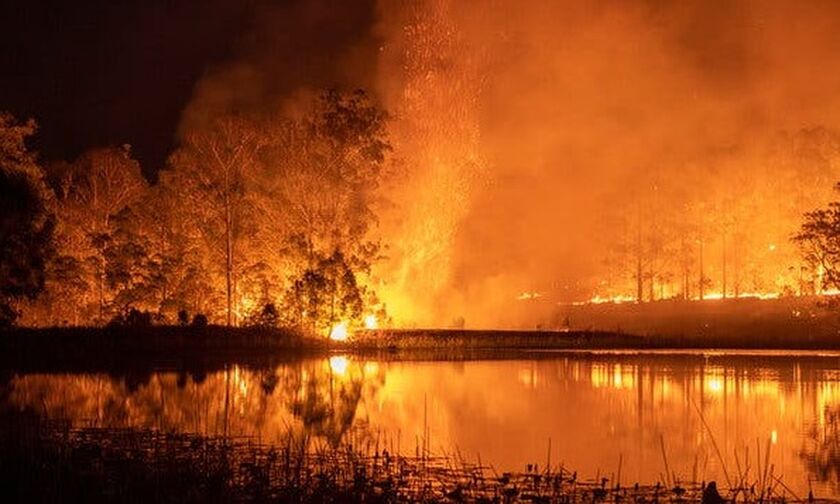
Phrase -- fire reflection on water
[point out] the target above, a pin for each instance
(594, 408)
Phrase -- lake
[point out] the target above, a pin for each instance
(590, 412)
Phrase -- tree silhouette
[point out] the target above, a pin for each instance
(26, 226)
(819, 238)
(325, 294)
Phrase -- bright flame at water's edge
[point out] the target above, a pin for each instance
(339, 332)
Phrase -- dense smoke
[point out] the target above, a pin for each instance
(542, 141)
(292, 47)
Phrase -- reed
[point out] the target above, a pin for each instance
(48, 461)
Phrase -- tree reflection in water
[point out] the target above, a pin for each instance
(319, 398)
(326, 397)
(503, 410)
(821, 453)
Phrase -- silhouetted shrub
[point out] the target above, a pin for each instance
(132, 318)
(267, 316)
(183, 318)
(325, 293)
(8, 315)
(199, 321)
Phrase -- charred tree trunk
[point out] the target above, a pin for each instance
(651, 284)
(228, 266)
(228, 250)
(100, 274)
(702, 279)
(736, 259)
(639, 280)
(684, 259)
(723, 266)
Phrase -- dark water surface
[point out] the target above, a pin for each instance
(592, 410)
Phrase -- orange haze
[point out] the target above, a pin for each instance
(555, 151)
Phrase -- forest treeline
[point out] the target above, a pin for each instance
(255, 220)
(755, 219)
(272, 219)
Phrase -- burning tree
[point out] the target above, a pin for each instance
(325, 173)
(323, 177)
(326, 294)
(90, 193)
(214, 172)
(285, 195)
(252, 212)
(721, 229)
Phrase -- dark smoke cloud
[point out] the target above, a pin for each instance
(293, 46)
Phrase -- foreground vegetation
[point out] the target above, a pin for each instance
(50, 461)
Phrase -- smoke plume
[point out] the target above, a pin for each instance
(530, 130)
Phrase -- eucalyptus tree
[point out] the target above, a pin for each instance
(325, 171)
(214, 174)
(90, 192)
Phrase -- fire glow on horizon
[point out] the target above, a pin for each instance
(525, 154)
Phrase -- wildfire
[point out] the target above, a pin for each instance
(744, 295)
(371, 322)
(339, 332)
(710, 296)
(526, 296)
(597, 299)
(245, 306)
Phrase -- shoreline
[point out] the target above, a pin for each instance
(172, 347)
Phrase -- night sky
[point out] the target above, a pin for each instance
(109, 72)
(103, 72)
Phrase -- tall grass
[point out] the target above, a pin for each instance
(49, 462)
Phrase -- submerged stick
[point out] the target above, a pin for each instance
(714, 442)
(766, 464)
(758, 461)
(665, 458)
(618, 477)
(548, 458)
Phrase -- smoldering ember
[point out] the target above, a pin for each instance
(420, 251)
